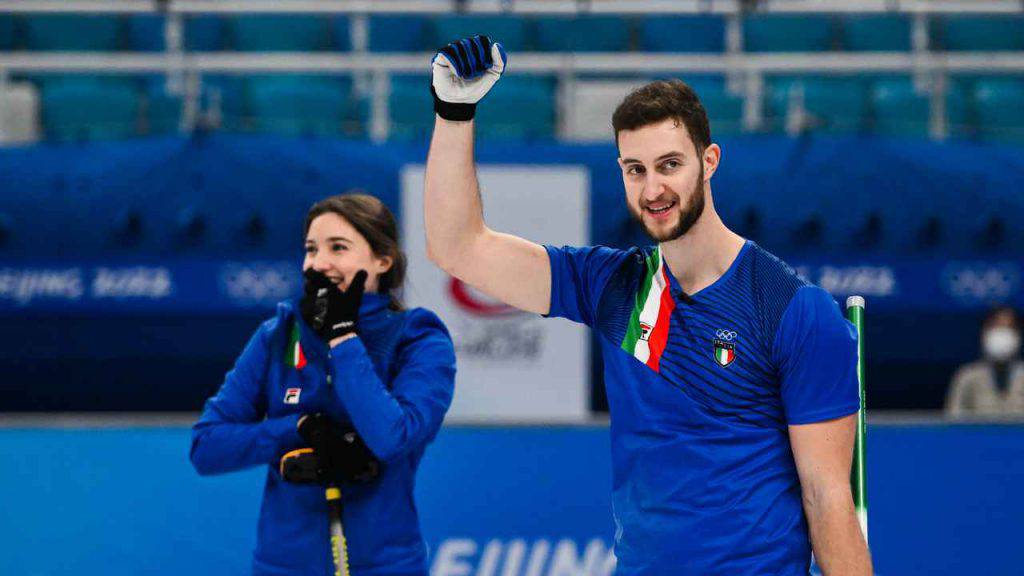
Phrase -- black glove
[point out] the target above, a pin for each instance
(341, 455)
(329, 311)
(302, 466)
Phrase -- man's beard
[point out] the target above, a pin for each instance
(688, 214)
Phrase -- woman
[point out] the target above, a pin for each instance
(347, 358)
(993, 386)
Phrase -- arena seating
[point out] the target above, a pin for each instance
(74, 32)
(298, 105)
(789, 33)
(682, 34)
(984, 108)
(980, 33)
(875, 33)
(397, 34)
(89, 108)
(411, 108)
(8, 29)
(583, 34)
(201, 33)
(274, 33)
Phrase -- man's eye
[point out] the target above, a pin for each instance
(634, 169)
(338, 247)
(671, 164)
(310, 249)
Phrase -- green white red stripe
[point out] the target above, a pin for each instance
(295, 357)
(724, 355)
(647, 332)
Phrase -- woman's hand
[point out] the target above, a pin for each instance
(330, 311)
(338, 454)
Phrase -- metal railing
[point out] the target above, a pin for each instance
(372, 71)
(746, 71)
(522, 7)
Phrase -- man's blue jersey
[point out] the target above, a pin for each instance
(701, 389)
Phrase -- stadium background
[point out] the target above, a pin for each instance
(160, 156)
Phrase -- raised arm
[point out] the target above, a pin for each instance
(511, 269)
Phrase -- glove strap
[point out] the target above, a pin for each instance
(456, 112)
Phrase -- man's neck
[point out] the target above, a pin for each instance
(702, 255)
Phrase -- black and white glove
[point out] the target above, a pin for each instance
(463, 72)
(328, 310)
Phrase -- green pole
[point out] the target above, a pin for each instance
(858, 475)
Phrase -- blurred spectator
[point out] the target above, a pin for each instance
(993, 385)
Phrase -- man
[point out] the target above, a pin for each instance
(731, 382)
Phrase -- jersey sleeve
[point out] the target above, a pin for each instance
(578, 276)
(394, 421)
(233, 431)
(815, 351)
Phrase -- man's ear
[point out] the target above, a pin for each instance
(712, 156)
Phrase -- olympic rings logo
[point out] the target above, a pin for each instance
(258, 282)
(727, 335)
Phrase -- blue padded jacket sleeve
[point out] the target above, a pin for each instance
(408, 416)
(815, 351)
(232, 432)
(578, 276)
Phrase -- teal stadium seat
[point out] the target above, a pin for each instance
(804, 33)
(898, 110)
(834, 104)
(583, 34)
(510, 32)
(278, 33)
(202, 33)
(8, 32)
(700, 34)
(341, 27)
(301, 105)
(725, 110)
(162, 109)
(88, 108)
(399, 34)
(522, 109)
(875, 33)
(982, 33)
(226, 94)
(959, 113)
(412, 108)
(73, 32)
(146, 33)
(999, 109)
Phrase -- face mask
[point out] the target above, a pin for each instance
(1000, 344)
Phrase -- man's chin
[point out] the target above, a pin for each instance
(662, 232)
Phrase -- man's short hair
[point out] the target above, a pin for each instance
(659, 101)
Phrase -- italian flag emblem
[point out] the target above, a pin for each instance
(295, 357)
(725, 352)
(647, 333)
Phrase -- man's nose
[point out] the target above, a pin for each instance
(654, 186)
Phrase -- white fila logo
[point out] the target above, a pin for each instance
(291, 395)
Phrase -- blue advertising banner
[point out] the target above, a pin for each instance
(194, 286)
(208, 286)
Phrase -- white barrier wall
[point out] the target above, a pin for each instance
(511, 364)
